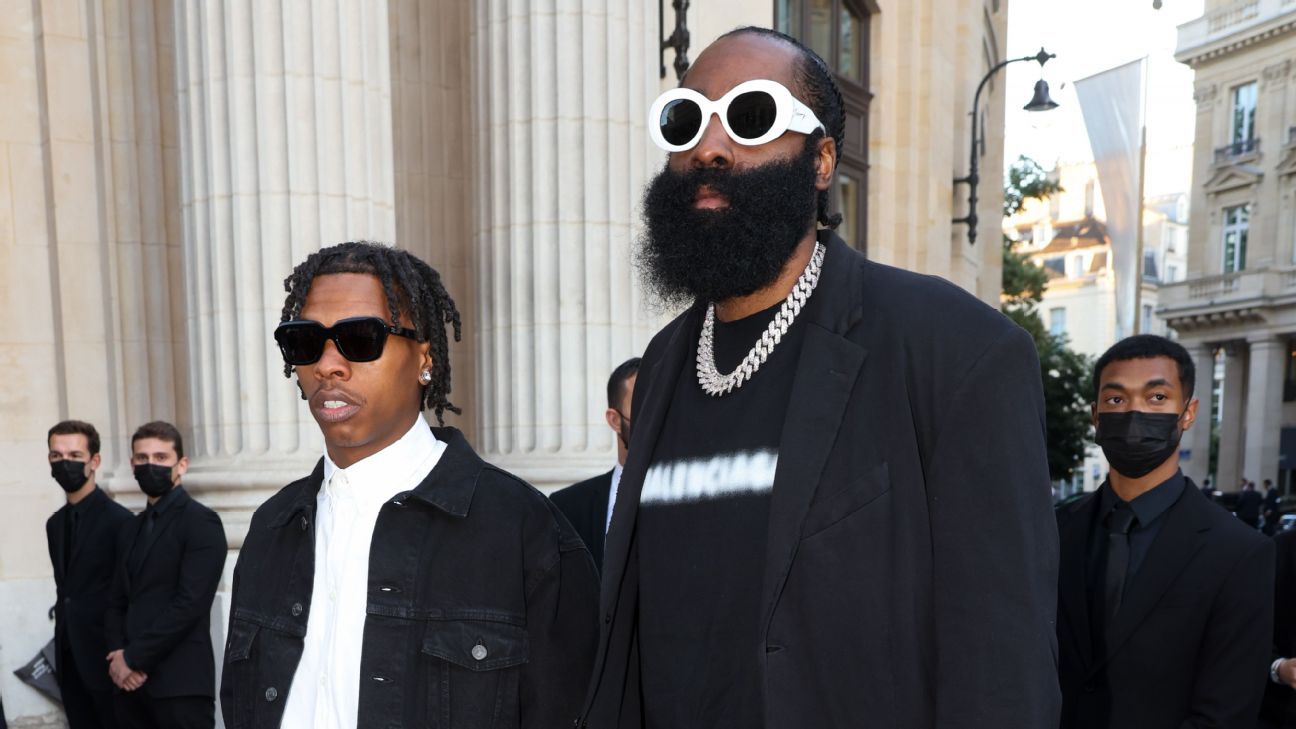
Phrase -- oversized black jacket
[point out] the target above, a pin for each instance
(160, 606)
(83, 587)
(471, 557)
(911, 567)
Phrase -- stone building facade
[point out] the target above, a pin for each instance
(1238, 304)
(164, 163)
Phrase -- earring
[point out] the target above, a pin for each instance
(426, 377)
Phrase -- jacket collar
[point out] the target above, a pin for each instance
(449, 486)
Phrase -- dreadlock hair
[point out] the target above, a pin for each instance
(411, 286)
(817, 89)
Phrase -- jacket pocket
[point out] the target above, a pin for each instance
(238, 676)
(837, 504)
(474, 670)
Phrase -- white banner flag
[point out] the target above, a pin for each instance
(1112, 104)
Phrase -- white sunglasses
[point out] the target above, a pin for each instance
(753, 112)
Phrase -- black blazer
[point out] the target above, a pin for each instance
(1279, 710)
(83, 587)
(585, 506)
(161, 599)
(1190, 646)
(911, 567)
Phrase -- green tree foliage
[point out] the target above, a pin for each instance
(1065, 373)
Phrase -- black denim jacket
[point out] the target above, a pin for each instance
(482, 608)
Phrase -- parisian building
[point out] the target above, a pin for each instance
(1236, 309)
(163, 165)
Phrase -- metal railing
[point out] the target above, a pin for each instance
(1237, 149)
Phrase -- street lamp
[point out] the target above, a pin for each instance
(1039, 102)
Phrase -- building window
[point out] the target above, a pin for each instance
(1172, 273)
(1244, 113)
(1057, 264)
(1237, 220)
(1289, 382)
(1075, 266)
(1057, 321)
(838, 30)
(1146, 324)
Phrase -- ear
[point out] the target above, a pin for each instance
(1190, 415)
(1093, 415)
(426, 363)
(613, 419)
(825, 162)
(181, 468)
(94, 462)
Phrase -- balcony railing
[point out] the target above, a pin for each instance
(1291, 133)
(1234, 18)
(1235, 150)
(1228, 291)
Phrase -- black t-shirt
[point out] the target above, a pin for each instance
(702, 528)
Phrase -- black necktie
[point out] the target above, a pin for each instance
(1120, 521)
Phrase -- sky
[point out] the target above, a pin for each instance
(1090, 36)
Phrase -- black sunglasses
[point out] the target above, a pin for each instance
(359, 339)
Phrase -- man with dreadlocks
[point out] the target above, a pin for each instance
(836, 508)
(404, 582)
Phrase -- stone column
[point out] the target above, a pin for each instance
(562, 97)
(1232, 411)
(285, 146)
(1264, 408)
(1197, 439)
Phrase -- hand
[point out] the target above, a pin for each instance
(1287, 672)
(121, 674)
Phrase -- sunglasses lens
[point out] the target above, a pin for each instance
(360, 340)
(751, 115)
(301, 344)
(680, 121)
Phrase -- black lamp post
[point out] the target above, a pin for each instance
(1040, 102)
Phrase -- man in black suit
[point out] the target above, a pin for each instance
(1165, 600)
(169, 563)
(836, 506)
(1249, 505)
(588, 504)
(1279, 710)
(82, 538)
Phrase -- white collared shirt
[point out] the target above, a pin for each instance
(325, 691)
(612, 492)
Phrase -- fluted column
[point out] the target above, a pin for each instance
(1264, 407)
(285, 146)
(1232, 411)
(1197, 439)
(562, 96)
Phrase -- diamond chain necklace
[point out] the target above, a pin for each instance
(716, 384)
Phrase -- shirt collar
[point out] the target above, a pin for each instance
(392, 465)
(1151, 504)
(81, 507)
(449, 486)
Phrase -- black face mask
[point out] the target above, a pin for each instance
(1136, 442)
(153, 480)
(69, 474)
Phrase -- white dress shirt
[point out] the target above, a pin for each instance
(325, 692)
(612, 491)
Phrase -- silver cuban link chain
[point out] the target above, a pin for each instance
(716, 384)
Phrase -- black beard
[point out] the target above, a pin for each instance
(688, 253)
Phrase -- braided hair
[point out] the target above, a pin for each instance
(817, 88)
(411, 286)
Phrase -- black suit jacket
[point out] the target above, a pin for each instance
(585, 506)
(162, 598)
(1190, 647)
(82, 588)
(911, 567)
(1279, 709)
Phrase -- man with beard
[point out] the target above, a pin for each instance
(1165, 615)
(82, 537)
(405, 582)
(588, 504)
(836, 506)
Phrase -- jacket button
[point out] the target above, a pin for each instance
(305, 524)
(607, 619)
(271, 694)
(479, 652)
(296, 609)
